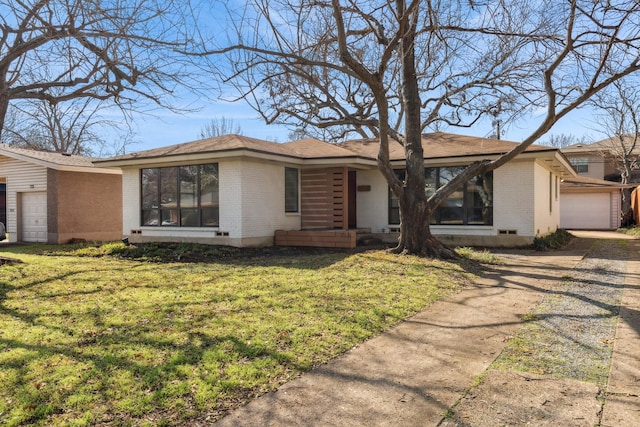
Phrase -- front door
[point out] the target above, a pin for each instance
(351, 197)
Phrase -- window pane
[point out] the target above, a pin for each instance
(451, 211)
(209, 186)
(151, 217)
(210, 217)
(430, 178)
(169, 216)
(149, 188)
(168, 187)
(394, 203)
(188, 187)
(189, 218)
(479, 199)
(290, 190)
(448, 173)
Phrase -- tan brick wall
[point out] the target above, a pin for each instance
(84, 206)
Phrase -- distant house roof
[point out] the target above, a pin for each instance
(607, 145)
(587, 182)
(312, 151)
(56, 161)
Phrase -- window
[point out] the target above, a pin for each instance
(291, 190)
(580, 164)
(181, 196)
(472, 204)
(550, 192)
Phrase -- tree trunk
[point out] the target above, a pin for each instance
(415, 213)
(626, 213)
(415, 232)
(4, 107)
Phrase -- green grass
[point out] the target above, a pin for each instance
(89, 336)
(632, 231)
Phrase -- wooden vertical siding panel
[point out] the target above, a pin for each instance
(323, 198)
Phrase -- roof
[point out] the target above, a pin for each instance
(436, 145)
(607, 145)
(357, 153)
(211, 145)
(442, 145)
(586, 182)
(56, 161)
(314, 148)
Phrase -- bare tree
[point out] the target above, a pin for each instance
(564, 140)
(125, 52)
(619, 119)
(392, 69)
(72, 127)
(220, 126)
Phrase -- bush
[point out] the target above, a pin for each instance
(557, 240)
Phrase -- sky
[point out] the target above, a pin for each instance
(168, 128)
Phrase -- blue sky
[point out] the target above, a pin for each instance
(168, 128)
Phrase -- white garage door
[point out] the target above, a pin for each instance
(590, 211)
(34, 217)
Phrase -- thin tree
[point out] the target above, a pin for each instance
(71, 127)
(123, 52)
(564, 140)
(390, 69)
(220, 126)
(619, 119)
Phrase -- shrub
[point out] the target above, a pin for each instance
(556, 240)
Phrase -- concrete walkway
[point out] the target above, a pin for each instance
(412, 374)
(622, 405)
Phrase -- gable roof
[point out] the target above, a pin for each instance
(56, 161)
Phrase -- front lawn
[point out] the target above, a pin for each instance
(87, 337)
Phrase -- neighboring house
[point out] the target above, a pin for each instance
(593, 199)
(240, 191)
(54, 198)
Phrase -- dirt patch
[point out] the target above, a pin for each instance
(9, 261)
(525, 399)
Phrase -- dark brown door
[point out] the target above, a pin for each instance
(353, 189)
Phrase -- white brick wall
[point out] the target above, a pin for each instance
(372, 207)
(547, 219)
(513, 187)
(262, 200)
(130, 200)
(251, 206)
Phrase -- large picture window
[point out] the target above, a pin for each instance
(181, 196)
(472, 204)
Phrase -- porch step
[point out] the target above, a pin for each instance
(317, 238)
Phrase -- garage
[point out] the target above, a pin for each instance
(34, 217)
(589, 211)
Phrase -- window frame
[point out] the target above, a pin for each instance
(580, 164)
(291, 190)
(169, 212)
